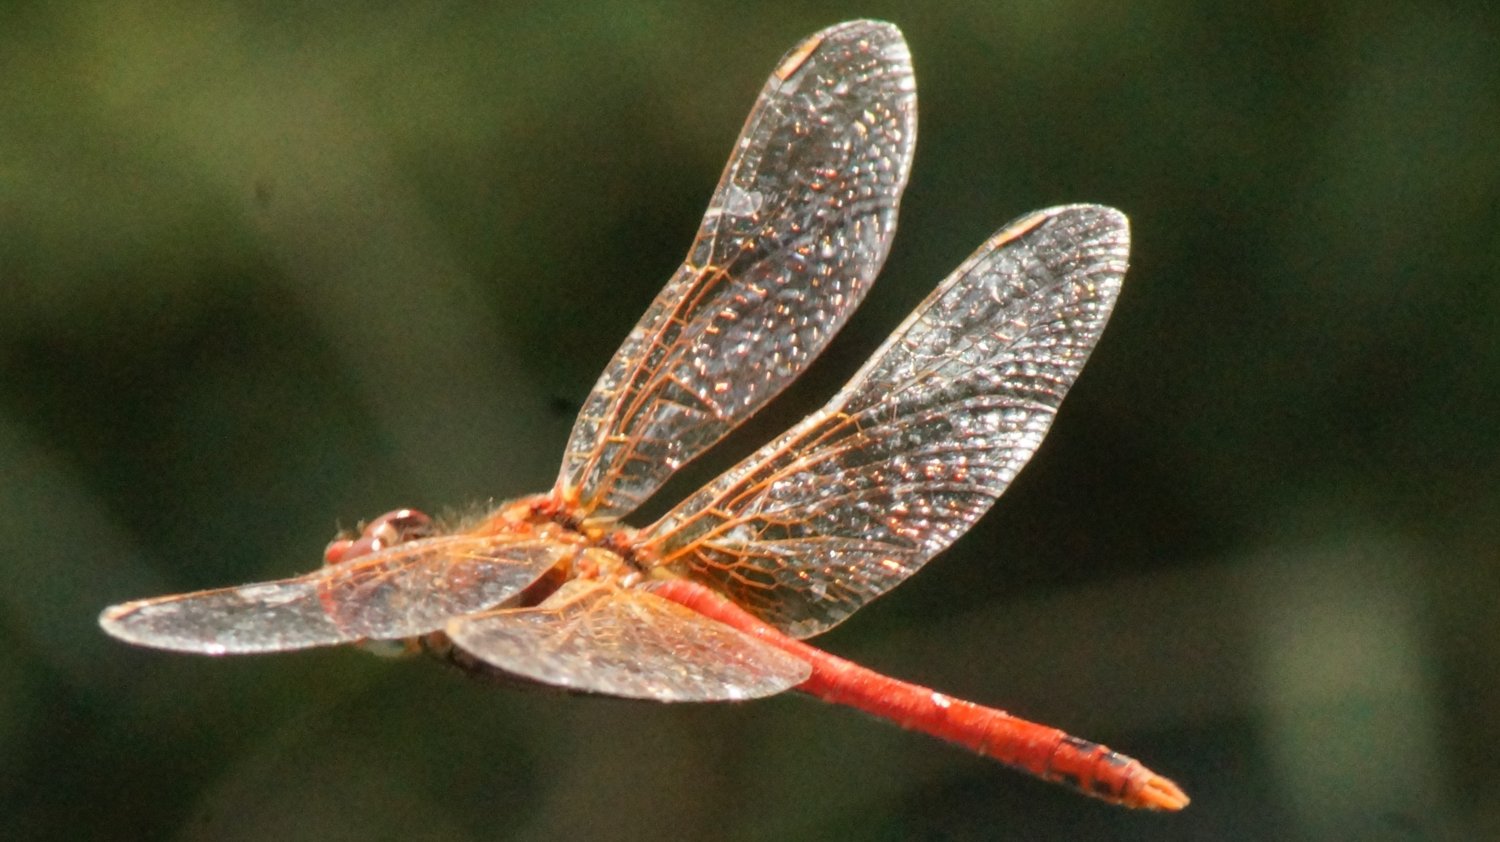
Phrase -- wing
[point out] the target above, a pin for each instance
(796, 231)
(407, 590)
(627, 642)
(920, 443)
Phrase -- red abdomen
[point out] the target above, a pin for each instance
(1040, 750)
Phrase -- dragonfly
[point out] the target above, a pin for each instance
(713, 601)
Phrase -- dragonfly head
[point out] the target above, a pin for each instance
(388, 530)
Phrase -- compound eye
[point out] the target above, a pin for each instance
(404, 525)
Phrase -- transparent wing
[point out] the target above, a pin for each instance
(627, 642)
(920, 443)
(796, 231)
(407, 590)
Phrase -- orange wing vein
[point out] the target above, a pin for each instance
(795, 232)
(920, 443)
(600, 638)
(407, 590)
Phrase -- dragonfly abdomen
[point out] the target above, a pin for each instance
(1040, 750)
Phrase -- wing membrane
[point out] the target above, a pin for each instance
(407, 590)
(626, 642)
(796, 231)
(923, 439)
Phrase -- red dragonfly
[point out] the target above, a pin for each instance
(711, 601)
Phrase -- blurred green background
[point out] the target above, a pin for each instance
(265, 271)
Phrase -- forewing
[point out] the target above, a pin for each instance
(599, 638)
(407, 590)
(796, 231)
(920, 443)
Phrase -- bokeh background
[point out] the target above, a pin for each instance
(265, 271)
